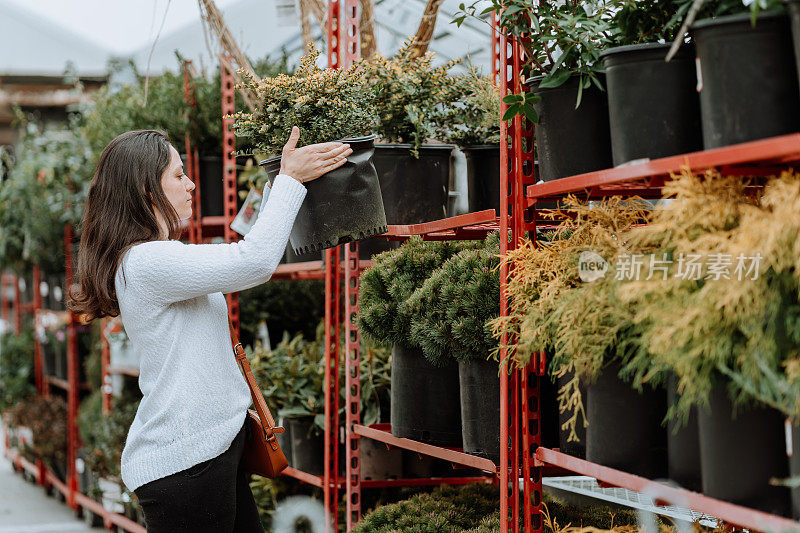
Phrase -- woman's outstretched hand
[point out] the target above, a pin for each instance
(312, 161)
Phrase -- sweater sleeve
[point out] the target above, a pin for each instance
(172, 271)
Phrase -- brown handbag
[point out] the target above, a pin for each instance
(262, 454)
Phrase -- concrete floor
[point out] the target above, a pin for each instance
(25, 508)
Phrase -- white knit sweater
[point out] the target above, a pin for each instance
(173, 309)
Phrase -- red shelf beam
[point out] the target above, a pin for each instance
(733, 514)
(63, 383)
(462, 227)
(756, 158)
(123, 371)
(380, 432)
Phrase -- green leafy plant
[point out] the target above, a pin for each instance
(560, 39)
(46, 189)
(392, 280)
(292, 377)
(410, 94)
(16, 367)
(326, 104)
(472, 117)
(452, 307)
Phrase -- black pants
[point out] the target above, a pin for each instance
(213, 496)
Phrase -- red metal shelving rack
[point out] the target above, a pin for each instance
(520, 388)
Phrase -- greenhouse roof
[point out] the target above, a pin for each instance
(265, 28)
(33, 46)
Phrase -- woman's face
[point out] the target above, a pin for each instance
(177, 186)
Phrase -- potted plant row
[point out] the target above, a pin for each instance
(720, 345)
(16, 368)
(601, 90)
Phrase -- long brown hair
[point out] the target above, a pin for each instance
(119, 213)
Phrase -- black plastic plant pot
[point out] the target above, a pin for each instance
(740, 451)
(683, 445)
(49, 359)
(414, 190)
(483, 177)
(61, 362)
(308, 446)
(653, 107)
(341, 206)
(574, 448)
(285, 440)
(480, 407)
(211, 186)
(793, 8)
(747, 78)
(571, 141)
(425, 404)
(625, 430)
(291, 257)
(794, 470)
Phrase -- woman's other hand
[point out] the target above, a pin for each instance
(312, 161)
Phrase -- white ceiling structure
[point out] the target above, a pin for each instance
(34, 46)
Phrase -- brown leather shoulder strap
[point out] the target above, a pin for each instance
(258, 398)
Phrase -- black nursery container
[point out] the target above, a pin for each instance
(653, 107)
(341, 206)
(571, 141)
(425, 400)
(480, 407)
(483, 177)
(625, 430)
(683, 445)
(414, 190)
(747, 78)
(211, 186)
(740, 451)
(308, 446)
(793, 8)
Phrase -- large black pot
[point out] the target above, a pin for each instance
(574, 448)
(60, 360)
(483, 177)
(794, 470)
(793, 8)
(740, 452)
(683, 446)
(480, 407)
(571, 141)
(48, 359)
(653, 106)
(211, 186)
(425, 401)
(342, 206)
(748, 78)
(308, 446)
(285, 440)
(414, 189)
(625, 430)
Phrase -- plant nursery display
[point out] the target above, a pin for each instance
(327, 105)
(46, 417)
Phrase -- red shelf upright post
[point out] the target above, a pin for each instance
(38, 369)
(192, 168)
(72, 378)
(105, 362)
(229, 174)
(519, 391)
(332, 320)
(352, 385)
(17, 307)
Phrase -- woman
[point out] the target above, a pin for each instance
(182, 451)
